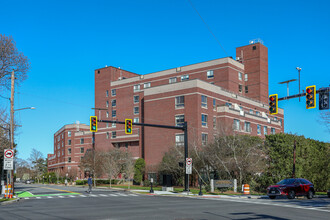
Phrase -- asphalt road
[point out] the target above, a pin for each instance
(104, 204)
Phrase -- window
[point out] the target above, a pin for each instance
(214, 122)
(69, 142)
(239, 75)
(204, 120)
(147, 85)
(136, 120)
(254, 47)
(113, 125)
(114, 113)
(184, 77)
(228, 104)
(257, 113)
(136, 88)
(246, 77)
(82, 141)
(236, 125)
(204, 101)
(214, 104)
(210, 74)
(240, 87)
(265, 130)
(272, 131)
(251, 111)
(281, 122)
(172, 80)
(58, 146)
(136, 99)
(179, 140)
(107, 125)
(107, 93)
(69, 159)
(136, 110)
(179, 102)
(258, 129)
(275, 118)
(108, 135)
(69, 151)
(246, 89)
(113, 134)
(113, 92)
(179, 120)
(81, 150)
(69, 133)
(107, 114)
(113, 103)
(247, 127)
(107, 104)
(62, 152)
(204, 139)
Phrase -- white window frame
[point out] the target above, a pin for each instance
(247, 126)
(179, 120)
(107, 103)
(69, 133)
(240, 88)
(113, 134)
(172, 80)
(136, 112)
(259, 129)
(210, 74)
(204, 139)
(113, 92)
(136, 120)
(82, 141)
(146, 85)
(113, 113)
(240, 76)
(204, 103)
(265, 130)
(214, 122)
(236, 125)
(136, 88)
(246, 77)
(113, 103)
(178, 102)
(136, 100)
(272, 131)
(107, 93)
(185, 77)
(179, 140)
(204, 122)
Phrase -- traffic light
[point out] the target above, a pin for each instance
(310, 97)
(128, 126)
(93, 124)
(273, 104)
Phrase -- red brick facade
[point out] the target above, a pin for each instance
(219, 95)
(222, 95)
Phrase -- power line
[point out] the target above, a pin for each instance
(208, 27)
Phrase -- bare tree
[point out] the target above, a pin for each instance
(88, 164)
(39, 163)
(325, 119)
(112, 163)
(128, 167)
(11, 60)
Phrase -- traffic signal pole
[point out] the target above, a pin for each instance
(184, 128)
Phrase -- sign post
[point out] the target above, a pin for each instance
(188, 170)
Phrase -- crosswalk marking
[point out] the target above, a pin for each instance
(72, 196)
(38, 197)
(120, 194)
(61, 196)
(92, 195)
(82, 196)
(49, 197)
(113, 195)
(132, 195)
(102, 195)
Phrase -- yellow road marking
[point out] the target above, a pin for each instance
(59, 190)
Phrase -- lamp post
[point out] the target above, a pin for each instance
(66, 179)
(43, 182)
(151, 181)
(299, 69)
(49, 179)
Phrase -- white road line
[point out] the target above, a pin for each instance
(121, 194)
(113, 195)
(49, 197)
(61, 196)
(132, 195)
(26, 198)
(103, 195)
(38, 197)
(82, 195)
(72, 196)
(92, 195)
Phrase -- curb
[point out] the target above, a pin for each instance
(9, 202)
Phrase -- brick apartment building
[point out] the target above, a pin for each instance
(223, 95)
(70, 144)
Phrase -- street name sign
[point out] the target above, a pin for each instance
(188, 165)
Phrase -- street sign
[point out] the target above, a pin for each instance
(323, 100)
(8, 164)
(9, 153)
(188, 165)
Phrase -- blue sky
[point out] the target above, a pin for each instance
(67, 40)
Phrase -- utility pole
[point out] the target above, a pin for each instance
(294, 160)
(11, 180)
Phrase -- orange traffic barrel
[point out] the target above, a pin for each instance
(246, 189)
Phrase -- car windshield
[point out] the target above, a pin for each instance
(286, 181)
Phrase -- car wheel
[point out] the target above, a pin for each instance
(310, 194)
(272, 197)
(292, 194)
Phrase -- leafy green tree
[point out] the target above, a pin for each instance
(139, 169)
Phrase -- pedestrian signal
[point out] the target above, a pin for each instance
(93, 124)
(310, 97)
(273, 104)
(128, 126)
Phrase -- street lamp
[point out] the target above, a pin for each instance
(66, 179)
(299, 69)
(43, 179)
(49, 179)
(151, 181)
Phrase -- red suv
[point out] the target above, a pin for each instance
(291, 188)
